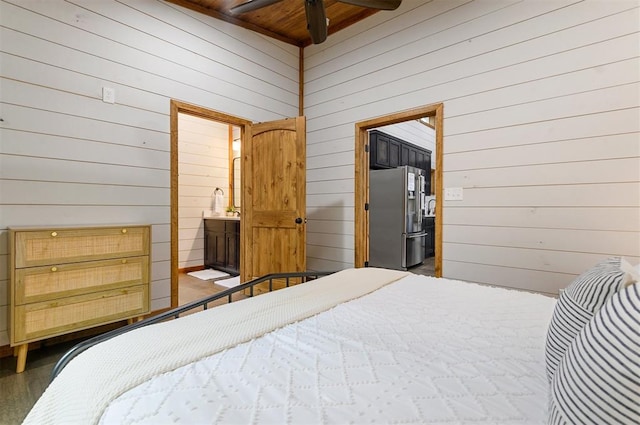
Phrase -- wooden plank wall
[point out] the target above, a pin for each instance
(66, 157)
(203, 165)
(541, 129)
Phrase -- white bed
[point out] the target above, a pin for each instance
(359, 346)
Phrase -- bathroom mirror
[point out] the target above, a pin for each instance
(237, 185)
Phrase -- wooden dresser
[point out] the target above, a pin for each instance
(72, 278)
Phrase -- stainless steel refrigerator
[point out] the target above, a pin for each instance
(396, 204)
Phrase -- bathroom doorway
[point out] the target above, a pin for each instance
(204, 144)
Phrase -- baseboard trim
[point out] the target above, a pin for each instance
(191, 269)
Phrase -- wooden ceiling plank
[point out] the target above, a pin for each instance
(285, 20)
(209, 11)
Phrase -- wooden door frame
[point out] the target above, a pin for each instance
(362, 178)
(176, 108)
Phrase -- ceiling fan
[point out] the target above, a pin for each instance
(315, 11)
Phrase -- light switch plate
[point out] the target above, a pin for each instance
(108, 95)
(453, 194)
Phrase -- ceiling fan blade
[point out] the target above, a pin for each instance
(375, 4)
(251, 5)
(316, 20)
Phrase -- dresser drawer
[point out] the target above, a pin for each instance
(50, 318)
(48, 247)
(51, 282)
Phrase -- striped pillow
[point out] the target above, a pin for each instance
(598, 379)
(577, 304)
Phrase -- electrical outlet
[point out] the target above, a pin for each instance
(108, 95)
(453, 194)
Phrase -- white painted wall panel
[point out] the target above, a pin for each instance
(161, 289)
(27, 119)
(70, 19)
(330, 213)
(541, 128)
(22, 144)
(593, 73)
(612, 195)
(82, 214)
(588, 149)
(67, 158)
(44, 169)
(162, 251)
(330, 160)
(322, 226)
(439, 40)
(566, 262)
(324, 147)
(330, 173)
(618, 170)
(492, 51)
(592, 217)
(509, 277)
(569, 240)
(45, 98)
(607, 123)
(611, 98)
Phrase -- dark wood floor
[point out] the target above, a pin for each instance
(19, 392)
(427, 268)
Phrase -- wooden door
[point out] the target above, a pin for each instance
(274, 198)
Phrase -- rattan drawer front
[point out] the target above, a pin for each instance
(37, 320)
(39, 248)
(52, 282)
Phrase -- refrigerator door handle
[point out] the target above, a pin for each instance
(419, 196)
(403, 261)
(419, 235)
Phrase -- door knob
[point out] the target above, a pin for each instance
(299, 220)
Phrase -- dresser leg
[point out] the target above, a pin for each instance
(134, 319)
(22, 357)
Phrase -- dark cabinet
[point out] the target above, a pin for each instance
(421, 160)
(429, 226)
(387, 151)
(412, 157)
(380, 151)
(394, 154)
(222, 245)
(404, 155)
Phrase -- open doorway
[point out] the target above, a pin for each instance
(362, 183)
(205, 151)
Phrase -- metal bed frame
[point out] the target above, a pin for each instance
(176, 312)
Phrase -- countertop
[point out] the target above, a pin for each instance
(222, 217)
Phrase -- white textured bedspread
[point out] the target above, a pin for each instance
(91, 381)
(421, 350)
